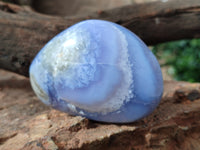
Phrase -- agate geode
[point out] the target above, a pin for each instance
(99, 70)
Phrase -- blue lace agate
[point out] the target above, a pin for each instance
(99, 70)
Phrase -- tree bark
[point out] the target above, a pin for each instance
(24, 32)
(74, 7)
(27, 124)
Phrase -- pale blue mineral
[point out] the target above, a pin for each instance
(99, 70)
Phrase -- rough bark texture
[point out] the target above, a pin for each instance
(26, 123)
(24, 32)
(73, 7)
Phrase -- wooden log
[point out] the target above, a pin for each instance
(24, 32)
(27, 124)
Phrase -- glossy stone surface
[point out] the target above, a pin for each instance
(99, 70)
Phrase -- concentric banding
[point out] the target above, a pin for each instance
(87, 72)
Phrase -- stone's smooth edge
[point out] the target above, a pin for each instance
(39, 92)
(145, 107)
(149, 64)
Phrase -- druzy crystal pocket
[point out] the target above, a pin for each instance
(99, 70)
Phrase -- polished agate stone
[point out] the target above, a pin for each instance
(99, 70)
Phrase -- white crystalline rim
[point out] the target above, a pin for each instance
(123, 93)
